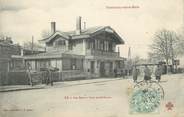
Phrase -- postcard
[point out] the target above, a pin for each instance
(95, 58)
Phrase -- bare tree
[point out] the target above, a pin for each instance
(180, 47)
(165, 46)
(5, 39)
(136, 60)
(154, 57)
(32, 46)
(2, 36)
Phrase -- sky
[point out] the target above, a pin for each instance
(22, 19)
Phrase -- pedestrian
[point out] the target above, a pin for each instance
(115, 72)
(158, 72)
(123, 72)
(49, 76)
(147, 73)
(29, 74)
(135, 74)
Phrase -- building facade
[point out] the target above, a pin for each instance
(7, 49)
(91, 51)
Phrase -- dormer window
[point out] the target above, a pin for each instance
(60, 43)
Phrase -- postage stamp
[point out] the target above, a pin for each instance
(146, 97)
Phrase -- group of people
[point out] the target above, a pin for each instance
(147, 73)
(48, 75)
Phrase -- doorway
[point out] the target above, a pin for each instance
(102, 69)
(92, 66)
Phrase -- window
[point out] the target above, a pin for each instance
(101, 45)
(93, 44)
(113, 47)
(60, 42)
(107, 46)
(92, 66)
(96, 44)
(88, 44)
(110, 46)
(73, 64)
(70, 45)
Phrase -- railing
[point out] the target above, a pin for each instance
(102, 53)
(56, 48)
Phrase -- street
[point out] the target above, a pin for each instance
(99, 99)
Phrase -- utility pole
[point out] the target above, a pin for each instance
(183, 17)
(32, 44)
(129, 53)
(129, 65)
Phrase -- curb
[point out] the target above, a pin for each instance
(90, 82)
(21, 89)
(44, 87)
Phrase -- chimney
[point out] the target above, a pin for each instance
(84, 25)
(78, 25)
(53, 27)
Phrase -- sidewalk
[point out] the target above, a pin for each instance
(83, 82)
(10, 88)
(72, 83)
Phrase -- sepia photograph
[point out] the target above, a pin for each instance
(95, 58)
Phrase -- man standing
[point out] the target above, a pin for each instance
(123, 72)
(115, 72)
(49, 74)
(147, 73)
(158, 73)
(135, 74)
(29, 73)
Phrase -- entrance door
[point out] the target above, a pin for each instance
(92, 66)
(102, 69)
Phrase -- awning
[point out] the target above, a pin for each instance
(52, 56)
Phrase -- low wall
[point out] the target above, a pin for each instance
(3, 78)
(21, 77)
(73, 75)
(65, 75)
(15, 78)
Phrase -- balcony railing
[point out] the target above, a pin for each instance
(102, 53)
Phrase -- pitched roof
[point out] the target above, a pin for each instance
(85, 33)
